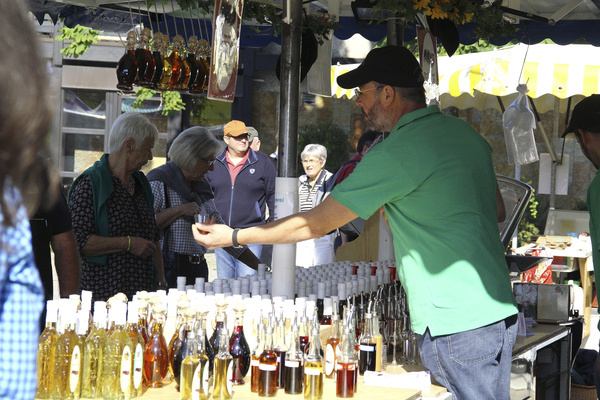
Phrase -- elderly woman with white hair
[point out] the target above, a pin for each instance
(313, 251)
(180, 192)
(112, 213)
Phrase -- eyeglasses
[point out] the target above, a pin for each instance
(239, 138)
(358, 92)
(311, 161)
(209, 162)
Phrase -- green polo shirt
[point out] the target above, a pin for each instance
(435, 179)
(593, 203)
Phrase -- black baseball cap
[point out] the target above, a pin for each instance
(586, 116)
(389, 65)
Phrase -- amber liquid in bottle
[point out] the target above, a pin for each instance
(330, 357)
(294, 377)
(345, 378)
(156, 355)
(254, 374)
(145, 60)
(240, 351)
(313, 380)
(269, 376)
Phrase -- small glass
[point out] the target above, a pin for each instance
(202, 216)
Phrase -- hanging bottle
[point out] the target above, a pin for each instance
(313, 366)
(203, 61)
(137, 349)
(145, 60)
(175, 59)
(46, 352)
(194, 86)
(367, 347)
(223, 384)
(92, 354)
(117, 358)
(68, 357)
(184, 76)
(238, 347)
(268, 377)
(331, 347)
(180, 353)
(294, 364)
(127, 66)
(157, 45)
(165, 78)
(256, 353)
(156, 355)
(346, 371)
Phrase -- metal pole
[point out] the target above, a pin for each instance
(395, 30)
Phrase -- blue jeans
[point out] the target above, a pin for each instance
(475, 364)
(229, 267)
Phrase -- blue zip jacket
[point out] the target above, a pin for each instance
(243, 204)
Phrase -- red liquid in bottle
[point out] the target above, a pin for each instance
(345, 380)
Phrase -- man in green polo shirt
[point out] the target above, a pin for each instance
(435, 180)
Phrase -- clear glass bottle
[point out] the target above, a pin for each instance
(294, 364)
(189, 367)
(127, 66)
(367, 347)
(145, 60)
(142, 324)
(137, 349)
(68, 357)
(346, 370)
(46, 352)
(92, 354)
(238, 347)
(256, 353)
(177, 358)
(331, 347)
(176, 339)
(157, 44)
(223, 385)
(156, 354)
(280, 350)
(304, 327)
(208, 349)
(201, 383)
(313, 367)
(220, 324)
(269, 376)
(117, 358)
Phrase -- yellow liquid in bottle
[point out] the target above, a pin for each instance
(313, 380)
(117, 366)
(45, 362)
(222, 374)
(67, 366)
(92, 363)
(188, 368)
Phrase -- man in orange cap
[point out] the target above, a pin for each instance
(243, 181)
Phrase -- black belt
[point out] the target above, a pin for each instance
(191, 258)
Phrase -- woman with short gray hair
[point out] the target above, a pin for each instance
(180, 192)
(314, 251)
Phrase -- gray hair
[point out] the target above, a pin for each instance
(130, 126)
(193, 144)
(317, 150)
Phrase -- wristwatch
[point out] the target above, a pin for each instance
(236, 245)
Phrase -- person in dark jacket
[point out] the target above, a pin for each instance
(243, 182)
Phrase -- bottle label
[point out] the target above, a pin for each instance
(125, 369)
(329, 360)
(254, 363)
(138, 363)
(349, 367)
(363, 347)
(292, 364)
(312, 371)
(75, 367)
(267, 367)
(196, 382)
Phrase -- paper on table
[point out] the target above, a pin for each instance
(420, 380)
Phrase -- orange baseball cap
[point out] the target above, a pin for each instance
(235, 128)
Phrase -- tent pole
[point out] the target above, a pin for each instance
(543, 132)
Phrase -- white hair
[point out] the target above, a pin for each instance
(193, 144)
(317, 150)
(130, 126)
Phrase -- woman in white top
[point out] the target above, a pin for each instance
(313, 251)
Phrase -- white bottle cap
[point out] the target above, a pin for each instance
(327, 306)
(100, 313)
(52, 311)
(132, 312)
(82, 322)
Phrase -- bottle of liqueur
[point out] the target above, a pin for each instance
(176, 339)
(294, 364)
(304, 328)
(280, 350)
(220, 324)
(367, 347)
(269, 376)
(203, 61)
(184, 77)
(375, 330)
(92, 354)
(46, 352)
(142, 325)
(175, 59)
(156, 355)
(194, 85)
(223, 369)
(145, 60)
(137, 349)
(201, 379)
(68, 356)
(127, 66)
(238, 347)
(327, 311)
(208, 349)
(117, 358)
(157, 44)
(346, 371)
(189, 367)
(256, 353)
(177, 358)
(331, 348)
(313, 367)
(167, 71)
